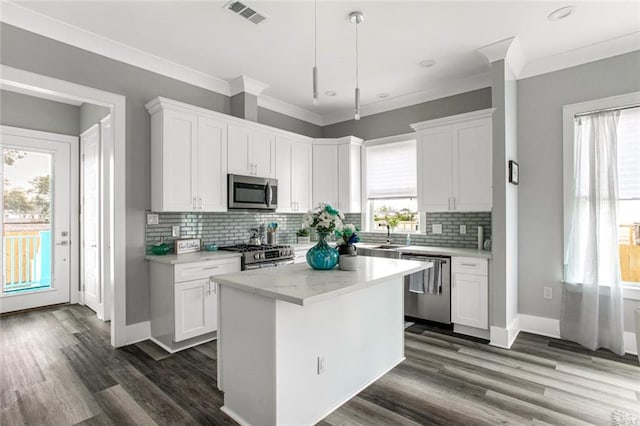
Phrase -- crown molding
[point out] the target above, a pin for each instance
(249, 85)
(508, 50)
(452, 119)
(47, 26)
(591, 53)
(276, 105)
(451, 88)
(39, 94)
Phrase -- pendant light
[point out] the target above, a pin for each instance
(356, 18)
(316, 99)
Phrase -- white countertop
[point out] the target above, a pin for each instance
(301, 285)
(199, 256)
(446, 251)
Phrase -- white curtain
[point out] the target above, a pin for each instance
(592, 311)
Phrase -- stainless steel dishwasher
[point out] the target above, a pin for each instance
(431, 307)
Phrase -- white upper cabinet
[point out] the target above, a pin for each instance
(336, 173)
(251, 151)
(454, 163)
(188, 160)
(293, 171)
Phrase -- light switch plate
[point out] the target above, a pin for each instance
(548, 293)
(463, 229)
(152, 219)
(175, 231)
(436, 228)
(322, 365)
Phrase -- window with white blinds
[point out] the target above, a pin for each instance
(391, 170)
(629, 154)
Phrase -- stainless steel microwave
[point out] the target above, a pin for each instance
(252, 193)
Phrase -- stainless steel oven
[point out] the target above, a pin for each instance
(252, 193)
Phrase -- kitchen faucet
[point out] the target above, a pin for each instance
(388, 234)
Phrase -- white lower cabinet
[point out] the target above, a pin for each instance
(183, 302)
(196, 309)
(470, 292)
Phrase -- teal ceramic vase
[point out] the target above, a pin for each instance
(322, 256)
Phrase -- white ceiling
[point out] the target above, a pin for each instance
(394, 38)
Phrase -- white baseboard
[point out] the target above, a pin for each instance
(539, 325)
(551, 328)
(504, 337)
(630, 343)
(138, 332)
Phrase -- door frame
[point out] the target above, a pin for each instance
(115, 203)
(74, 201)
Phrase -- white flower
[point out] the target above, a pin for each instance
(349, 227)
(307, 220)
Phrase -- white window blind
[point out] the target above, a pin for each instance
(629, 154)
(391, 170)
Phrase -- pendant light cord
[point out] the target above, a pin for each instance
(357, 54)
(315, 33)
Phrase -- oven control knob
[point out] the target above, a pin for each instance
(256, 256)
(261, 255)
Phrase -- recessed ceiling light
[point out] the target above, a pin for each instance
(330, 93)
(563, 12)
(427, 63)
(382, 95)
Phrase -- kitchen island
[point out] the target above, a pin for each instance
(294, 343)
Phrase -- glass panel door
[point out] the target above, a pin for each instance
(26, 220)
(35, 207)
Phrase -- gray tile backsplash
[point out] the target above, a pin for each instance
(450, 236)
(233, 228)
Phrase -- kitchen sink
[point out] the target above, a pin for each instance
(391, 246)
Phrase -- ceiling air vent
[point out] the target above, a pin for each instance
(245, 11)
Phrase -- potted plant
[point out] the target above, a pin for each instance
(325, 220)
(347, 238)
(302, 235)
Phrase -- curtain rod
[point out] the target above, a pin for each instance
(607, 109)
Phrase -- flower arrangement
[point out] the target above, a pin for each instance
(348, 234)
(324, 218)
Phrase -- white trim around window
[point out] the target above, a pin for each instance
(631, 291)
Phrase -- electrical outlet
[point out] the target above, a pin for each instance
(548, 293)
(322, 365)
(153, 219)
(436, 228)
(463, 229)
(175, 231)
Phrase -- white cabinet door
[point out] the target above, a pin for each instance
(301, 164)
(434, 170)
(238, 151)
(178, 143)
(469, 300)
(284, 174)
(195, 308)
(211, 165)
(325, 174)
(472, 188)
(263, 154)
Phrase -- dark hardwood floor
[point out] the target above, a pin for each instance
(58, 368)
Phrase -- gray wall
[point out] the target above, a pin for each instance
(540, 102)
(91, 114)
(31, 52)
(33, 113)
(397, 122)
(281, 121)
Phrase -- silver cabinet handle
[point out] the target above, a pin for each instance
(472, 265)
(454, 203)
(210, 267)
(449, 203)
(200, 203)
(63, 243)
(215, 288)
(193, 203)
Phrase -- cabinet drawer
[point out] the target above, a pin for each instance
(201, 270)
(469, 265)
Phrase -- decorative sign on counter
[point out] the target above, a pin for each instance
(187, 246)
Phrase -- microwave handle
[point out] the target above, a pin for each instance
(267, 194)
